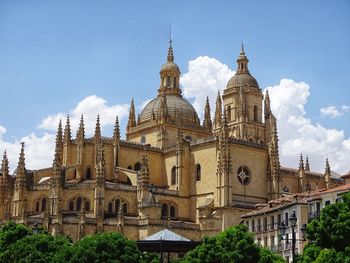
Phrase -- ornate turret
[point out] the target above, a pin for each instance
(81, 131)
(20, 196)
(116, 132)
(97, 135)
(170, 75)
(5, 187)
(224, 166)
(207, 123)
(55, 183)
(131, 120)
(327, 175)
(218, 111)
(267, 106)
(99, 188)
(67, 137)
(302, 178)
(307, 165)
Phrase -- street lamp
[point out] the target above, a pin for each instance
(35, 228)
(293, 222)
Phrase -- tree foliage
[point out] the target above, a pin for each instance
(329, 235)
(233, 245)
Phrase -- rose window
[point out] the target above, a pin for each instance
(243, 175)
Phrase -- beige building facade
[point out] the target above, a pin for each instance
(172, 170)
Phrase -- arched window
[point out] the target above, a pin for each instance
(130, 167)
(87, 206)
(175, 82)
(117, 205)
(256, 113)
(137, 166)
(143, 139)
(79, 204)
(110, 207)
(75, 174)
(37, 206)
(172, 211)
(173, 175)
(88, 174)
(43, 204)
(125, 208)
(71, 206)
(168, 81)
(164, 210)
(198, 172)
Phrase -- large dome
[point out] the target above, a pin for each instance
(179, 110)
(242, 80)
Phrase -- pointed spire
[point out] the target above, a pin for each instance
(170, 57)
(5, 165)
(81, 131)
(267, 106)
(218, 111)
(101, 155)
(307, 165)
(116, 132)
(97, 130)
(21, 167)
(67, 137)
(207, 123)
(328, 168)
(132, 121)
(301, 162)
(58, 146)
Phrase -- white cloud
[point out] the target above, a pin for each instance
(89, 107)
(297, 132)
(204, 78)
(333, 111)
(39, 148)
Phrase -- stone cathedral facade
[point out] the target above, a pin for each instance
(172, 170)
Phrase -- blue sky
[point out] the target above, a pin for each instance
(53, 54)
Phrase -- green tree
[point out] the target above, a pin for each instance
(102, 247)
(10, 233)
(329, 235)
(233, 245)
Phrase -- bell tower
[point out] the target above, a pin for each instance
(242, 101)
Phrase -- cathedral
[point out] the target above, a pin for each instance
(171, 171)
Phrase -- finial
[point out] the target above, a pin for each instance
(116, 132)
(170, 57)
(170, 40)
(328, 168)
(301, 162)
(242, 48)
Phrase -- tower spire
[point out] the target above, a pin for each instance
(59, 145)
(301, 162)
(81, 131)
(218, 111)
(307, 165)
(116, 132)
(170, 57)
(5, 164)
(67, 132)
(132, 120)
(327, 175)
(207, 123)
(21, 162)
(97, 130)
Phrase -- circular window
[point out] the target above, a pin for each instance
(243, 175)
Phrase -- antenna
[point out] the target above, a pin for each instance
(170, 40)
